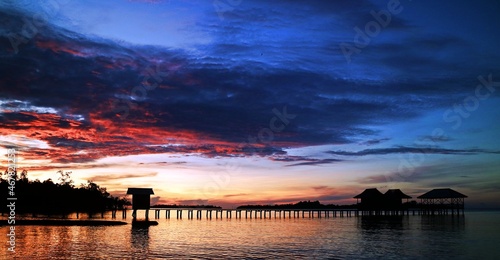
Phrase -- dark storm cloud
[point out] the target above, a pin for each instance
(417, 56)
(295, 33)
(216, 101)
(7, 118)
(346, 13)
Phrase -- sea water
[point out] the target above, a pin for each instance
(473, 236)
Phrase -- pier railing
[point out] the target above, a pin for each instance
(199, 213)
(272, 213)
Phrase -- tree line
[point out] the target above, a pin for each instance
(47, 197)
(315, 205)
(299, 205)
(168, 206)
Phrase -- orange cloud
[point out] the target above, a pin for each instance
(58, 47)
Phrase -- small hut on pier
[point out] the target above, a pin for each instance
(371, 199)
(140, 199)
(441, 201)
(393, 199)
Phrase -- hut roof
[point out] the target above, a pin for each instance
(143, 191)
(442, 194)
(369, 193)
(397, 193)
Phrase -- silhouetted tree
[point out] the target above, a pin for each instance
(7, 176)
(24, 176)
(48, 197)
(65, 178)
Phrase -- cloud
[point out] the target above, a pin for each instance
(150, 1)
(88, 98)
(375, 141)
(429, 138)
(301, 161)
(439, 175)
(113, 177)
(420, 150)
(155, 200)
(236, 195)
(330, 193)
(316, 162)
(324, 194)
(165, 163)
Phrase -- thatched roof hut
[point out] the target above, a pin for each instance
(393, 199)
(369, 193)
(442, 194)
(396, 193)
(371, 199)
(441, 201)
(140, 197)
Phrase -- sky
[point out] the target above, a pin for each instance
(232, 102)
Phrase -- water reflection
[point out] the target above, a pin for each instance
(381, 235)
(442, 235)
(377, 223)
(139, 238)
(411, 237)
(443, 223)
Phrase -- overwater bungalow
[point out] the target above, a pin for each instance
(442, 201)
(393, 199)
(140, 199)
(373, 202)
(371, 199)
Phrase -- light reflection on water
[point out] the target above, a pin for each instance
(474, 236)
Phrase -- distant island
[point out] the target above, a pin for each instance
(310, 205)
(168, 206)
(49, 198)
(299, 205)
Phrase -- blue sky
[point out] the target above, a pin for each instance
(230, 102)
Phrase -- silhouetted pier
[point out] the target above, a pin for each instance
(271, 213)
(254, 213)
(190, 213)
(373, 203)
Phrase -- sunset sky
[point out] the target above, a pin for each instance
(231, 102)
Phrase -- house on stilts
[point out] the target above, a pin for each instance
(373, 202)
(140, 200)
(442, 202)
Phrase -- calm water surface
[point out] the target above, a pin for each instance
(475, 236)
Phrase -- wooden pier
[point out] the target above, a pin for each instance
(373, 203)
(190, 213)
(271, 213)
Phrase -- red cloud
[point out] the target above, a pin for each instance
(58, 47)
